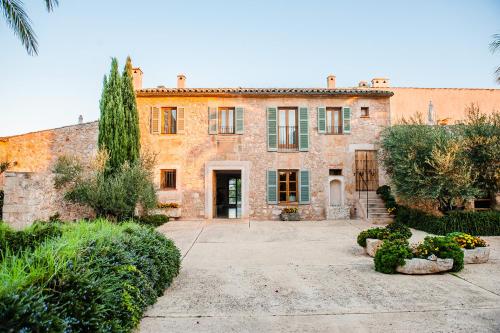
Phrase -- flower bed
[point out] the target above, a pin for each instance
(475, 249)
(372, 239)
(88, 277)
(170, 209)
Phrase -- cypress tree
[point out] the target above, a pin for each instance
(112, 131)
(131, 116)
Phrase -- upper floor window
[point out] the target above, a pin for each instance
(287, 129)
(288, 188)
(168, 179)
(169, 120)
(226, 120)
(365, 112)
(334, 120)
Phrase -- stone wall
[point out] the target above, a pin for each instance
(28, 183)
(191, 151)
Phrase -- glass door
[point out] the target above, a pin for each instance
(234, 197)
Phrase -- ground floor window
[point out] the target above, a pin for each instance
(168, 179)
(288, 186)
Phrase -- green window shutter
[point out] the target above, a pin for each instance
(272, 185)
(303, 129)
(239, 120)
(321, 120)
(212, 120)
(346, 116)
(272, 129)
(304, 183)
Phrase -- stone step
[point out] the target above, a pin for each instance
(377, 209)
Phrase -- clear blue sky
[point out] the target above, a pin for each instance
(239, 43)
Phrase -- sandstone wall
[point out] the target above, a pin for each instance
(189, 152)
(28, 184)
(449, 103)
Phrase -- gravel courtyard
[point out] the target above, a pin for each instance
(312, 277)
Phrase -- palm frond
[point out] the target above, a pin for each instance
(20, 23)
(51, 4)
(495, 44)
(497, 74)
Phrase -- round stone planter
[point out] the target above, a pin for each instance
(170, 212)
(372, 245)
(430, 265)
(479, 255)
(290, 217)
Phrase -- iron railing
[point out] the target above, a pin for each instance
(334, 130)
(226, 129)
(288, 138)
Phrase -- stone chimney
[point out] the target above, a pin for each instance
(380, 82)
(80, 119)
(330, 82)
(181, 81)
(137, 78)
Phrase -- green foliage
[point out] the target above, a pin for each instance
(154, 220)
(385, 193)
(67, 169)
(131, 115)
(112, 129)
(113, 195)
(4, 166)
(96, 276)
(1, 202)
(392, 254)
(428, 163)
(441, 247)
(391, 232)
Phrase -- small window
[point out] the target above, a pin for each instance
(365, 112)
(288, 186)
(334, 120)
(226, 120)
(168, 179)
(335, 172)
(169, 120)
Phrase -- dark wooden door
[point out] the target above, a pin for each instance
(366, 170)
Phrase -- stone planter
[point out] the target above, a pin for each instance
(372, 245)
(431, 265)
(479, 255)
(170, 212)
(290, 217)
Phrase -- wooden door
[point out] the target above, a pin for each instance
(366, 170)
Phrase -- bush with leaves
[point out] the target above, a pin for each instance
(391, 231)
(113, 195)
(441, 247)
(154, 220)
(392, 254)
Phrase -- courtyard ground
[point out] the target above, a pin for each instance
(312, 277)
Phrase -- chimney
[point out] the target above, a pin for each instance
(137, 78)
(181, 81)
(363, 84)
(380, 82)
(80, 119)
(330, 82)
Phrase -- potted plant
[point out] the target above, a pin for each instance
(371, 239)
(475, 249)
(290, 214)
(171, 209)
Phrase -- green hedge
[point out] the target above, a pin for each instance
(27, 238)
(482, 223)
(154, 220)
(96, 277)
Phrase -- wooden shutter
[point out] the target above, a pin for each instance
(212, 120)
(180, 120)
(272, 187)
(239, 120)
(272, 129)
(303, 129)
(322, 120)
(155, 123)
(304, 186)
(346, 116)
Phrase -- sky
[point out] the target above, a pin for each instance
(271, 43)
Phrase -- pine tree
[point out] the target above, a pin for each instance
(131, 115)
(112, 130)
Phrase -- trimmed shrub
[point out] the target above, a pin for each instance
(391, 231)
(154, 220)
(392, 254)
(399, 228)
(441, 247)
(28, 238)
(97, 276)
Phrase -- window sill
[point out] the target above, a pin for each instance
(168, 189)
(365, 117)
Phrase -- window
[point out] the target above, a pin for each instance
(365, 112)
(226, 120)
(335, 172)
(168, 179)
(334, 120)
(288, 186)
(169, 120)
(287, 129)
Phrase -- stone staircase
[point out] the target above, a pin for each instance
(377, 213)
